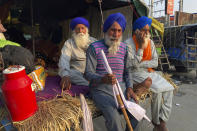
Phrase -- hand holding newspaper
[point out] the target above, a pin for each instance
(137, 111)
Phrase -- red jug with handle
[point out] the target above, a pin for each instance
(18, 94)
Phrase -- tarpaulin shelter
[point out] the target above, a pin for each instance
(54, 16)
(65, 9)
(54, 11)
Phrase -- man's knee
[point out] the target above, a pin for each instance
(147, 82)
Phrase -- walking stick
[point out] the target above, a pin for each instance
(119, 99)
(120, 102)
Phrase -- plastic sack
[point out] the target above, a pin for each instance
(38, 76)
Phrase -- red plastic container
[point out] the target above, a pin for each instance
(18, 94)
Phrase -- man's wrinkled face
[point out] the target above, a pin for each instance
(143, 35)
(113, 37)
(81, 36)
(115, 32)
(145, 30)
(80, 28)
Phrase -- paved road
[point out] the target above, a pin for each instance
(184, 116)
(184, 112)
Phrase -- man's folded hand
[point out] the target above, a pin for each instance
(130, 94)
(109, 79)
(65, 83)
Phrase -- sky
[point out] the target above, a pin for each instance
(189, 6)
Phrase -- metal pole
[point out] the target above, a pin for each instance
(152, 3)
(167, 20)
(167, 17)
(181, 6)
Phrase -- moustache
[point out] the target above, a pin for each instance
(113, 39)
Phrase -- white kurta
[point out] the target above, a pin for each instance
(162, 90)
(72, 62)
(140, 72)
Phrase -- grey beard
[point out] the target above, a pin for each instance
(113, 45)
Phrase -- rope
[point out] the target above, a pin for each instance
(132, 8)
(100, 6)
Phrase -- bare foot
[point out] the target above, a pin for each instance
(160, 127)
(163, 125)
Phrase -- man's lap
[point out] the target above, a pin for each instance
(159, 84)
(103, 100)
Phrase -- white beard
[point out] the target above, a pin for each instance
(82, 40)
(113, 45)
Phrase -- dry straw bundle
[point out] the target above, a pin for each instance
(142, 93)
(58, 114)
(168, 78)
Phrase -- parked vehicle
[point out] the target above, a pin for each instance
(180, 43)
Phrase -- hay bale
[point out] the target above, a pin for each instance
(58, 114)
(55, 115)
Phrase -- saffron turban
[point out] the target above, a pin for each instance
(141, 22)
(78, 20)
(117, 17)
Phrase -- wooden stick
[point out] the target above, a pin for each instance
(120, 102)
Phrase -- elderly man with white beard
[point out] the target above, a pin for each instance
(144, 57)
(72, 61)
(101, 82)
